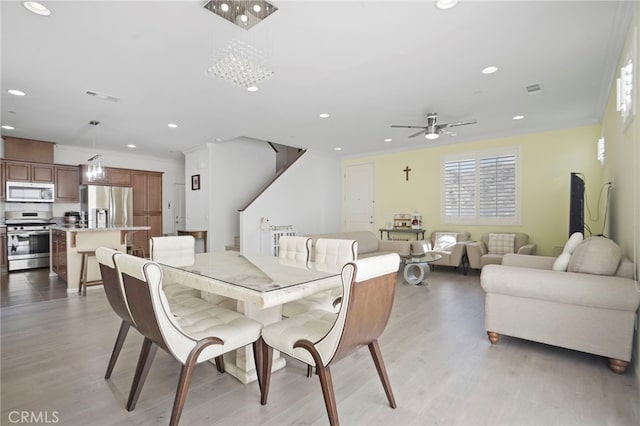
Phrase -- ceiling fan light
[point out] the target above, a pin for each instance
(431, 136)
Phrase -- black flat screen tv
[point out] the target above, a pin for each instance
(576, 204)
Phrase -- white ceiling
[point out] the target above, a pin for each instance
(369, 64)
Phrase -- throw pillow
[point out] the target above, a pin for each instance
(574, 240)
(501, 243)
(596, 255)
(562, 262)
(445, 241)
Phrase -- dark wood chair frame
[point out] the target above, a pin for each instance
(140, 302)
(368, 313)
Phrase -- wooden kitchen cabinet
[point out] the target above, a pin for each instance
(59, 253)
(28, 172)
(119, 177)
(67, 183)
(147, 206)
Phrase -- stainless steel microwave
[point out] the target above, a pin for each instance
(30, 192)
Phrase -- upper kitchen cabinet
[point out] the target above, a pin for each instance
(20, 171)
(67, 183)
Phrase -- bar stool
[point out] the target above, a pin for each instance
(84, 266)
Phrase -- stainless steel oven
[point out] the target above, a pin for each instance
(28, 239)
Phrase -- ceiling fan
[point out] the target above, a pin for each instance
(433, 130)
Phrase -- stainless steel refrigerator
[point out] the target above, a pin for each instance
(107, 206)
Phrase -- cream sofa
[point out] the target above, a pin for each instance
(481, 253)
(368, 244)
(591, 308)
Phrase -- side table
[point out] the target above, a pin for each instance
(416, 268)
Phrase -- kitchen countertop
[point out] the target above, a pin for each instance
(78, 228)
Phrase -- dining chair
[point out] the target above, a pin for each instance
(200, 333)
(116, 298)
(291, 247)
(328, 252)
(321, 338)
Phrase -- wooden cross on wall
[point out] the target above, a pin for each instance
(406, 171)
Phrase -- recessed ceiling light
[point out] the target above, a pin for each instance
(172, 125)
(337, 149)
(7, 127)
(446, 4)
(131, 146)
(518, 117)
(36, 8)
(16, 92)
(324, 115)
(252, 88)
(388, 140)
(490, 70)
(218, 139)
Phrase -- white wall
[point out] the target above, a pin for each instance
(230, 174)
(173, 173)
(306, 196)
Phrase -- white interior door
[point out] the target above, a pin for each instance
(359, 198)
(179, 215)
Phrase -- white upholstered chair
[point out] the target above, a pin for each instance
(198, 333)
(494, 245)
(291, 247)
(321, 338)
(331, 252)
(450, 245)
(174, 251)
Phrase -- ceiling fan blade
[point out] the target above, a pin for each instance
(408, 127)
(447, 132)
(419, 133)
(457, 123)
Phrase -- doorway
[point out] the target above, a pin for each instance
(359, 197)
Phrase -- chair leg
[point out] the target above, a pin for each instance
(147, 353)
(267, 359)
(374, 348)
(257, 357)
(186, 373)
(122, 335)
(309, 370)
(220, 364)
(326, 382)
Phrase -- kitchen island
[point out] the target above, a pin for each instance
(67, 241)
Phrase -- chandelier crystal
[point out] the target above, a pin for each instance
(241, 65)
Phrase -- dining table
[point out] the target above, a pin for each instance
(259, 285)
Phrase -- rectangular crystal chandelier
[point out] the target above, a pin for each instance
(241, 65)
(243, 13)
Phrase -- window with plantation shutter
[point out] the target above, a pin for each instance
(481, 188)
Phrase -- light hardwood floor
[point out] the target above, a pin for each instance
(442, 368)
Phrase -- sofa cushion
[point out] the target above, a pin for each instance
(501, 243)
(574, 241)
(367, 241)
(445, 241)
(596, 255)
(562, 262)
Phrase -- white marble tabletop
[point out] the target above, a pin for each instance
(95, 229)
(263, 280)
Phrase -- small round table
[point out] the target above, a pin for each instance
(416, 268)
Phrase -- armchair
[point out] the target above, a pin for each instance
(494, 245)
(448, 244)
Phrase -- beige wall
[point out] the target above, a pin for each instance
(546, 162)
(621, 168)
